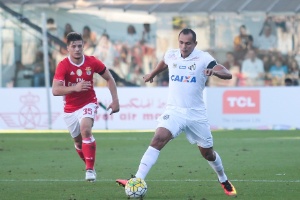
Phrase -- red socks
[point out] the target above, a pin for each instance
(89, 152)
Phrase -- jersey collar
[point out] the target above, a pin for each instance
(77, 65)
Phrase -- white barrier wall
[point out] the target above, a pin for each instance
(228, 108)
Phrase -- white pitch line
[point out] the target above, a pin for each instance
(171, 180)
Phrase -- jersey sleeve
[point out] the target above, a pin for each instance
(168, 55)
(99, 66)
(210, 61)
(60, 72)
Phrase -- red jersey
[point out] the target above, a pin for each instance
(71, 74)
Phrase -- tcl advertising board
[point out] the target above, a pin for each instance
(254, 108)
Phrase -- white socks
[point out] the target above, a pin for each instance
(148, 160)
(218, 168)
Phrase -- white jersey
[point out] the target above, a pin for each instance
(187, 78)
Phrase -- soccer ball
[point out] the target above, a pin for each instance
(135, 188)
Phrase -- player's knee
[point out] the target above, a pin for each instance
(208, 154)
(85, 132)
(158, 142)
(210, 157)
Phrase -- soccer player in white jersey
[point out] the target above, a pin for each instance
(185, 111)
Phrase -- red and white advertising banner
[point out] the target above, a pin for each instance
(254, 108)
(228, 108)
(27, 108)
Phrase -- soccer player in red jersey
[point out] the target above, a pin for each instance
(73, 79)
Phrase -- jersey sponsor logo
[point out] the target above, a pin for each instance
(88, 70)
(72, 73)
(192, 67)
(79, 72)
(241, 102)
(187, 79)
(182, 67)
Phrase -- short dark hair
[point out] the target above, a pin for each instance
(187, 31)
(73, 36)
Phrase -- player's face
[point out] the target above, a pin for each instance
(186, 44)
(75, 49)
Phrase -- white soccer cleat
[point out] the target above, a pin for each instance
(90, 175)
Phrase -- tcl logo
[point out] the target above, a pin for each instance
(241, 102)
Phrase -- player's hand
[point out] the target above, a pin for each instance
(83, 86)
(114, 106)
(209, 72)
(148, 78)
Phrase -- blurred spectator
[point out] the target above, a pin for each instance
(230, 61)
(266, 58)
(233, 67)
(89, 39)
(285, 43)
(52, 29)
(288, 82)
(266, 42)
(278, 72)
(253, 70)
(293, 71)
(59, 55)
(148, 46)
(68, 29)
(163, 78)
(241, 43)
(269, 21)
(23, 75)
(132, 38)
(136, 65)
(51, 26)
(38, 69)
(105, 50)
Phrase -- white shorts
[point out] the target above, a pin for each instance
(73, 119)
(197, 130)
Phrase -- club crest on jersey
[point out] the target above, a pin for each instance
(79, 72)
(192, 67)
(174, 65)
(187, 79)
(88, 70)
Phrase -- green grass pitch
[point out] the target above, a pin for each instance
(262, 165)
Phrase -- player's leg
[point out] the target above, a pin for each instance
(88, 143)
(74, 129)
(88, 148)
(161, 138)
(78, 146)
(214, 160)
(86, 117)
(199, 132)
(169, 127)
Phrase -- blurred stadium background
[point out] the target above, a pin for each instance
(130, 36)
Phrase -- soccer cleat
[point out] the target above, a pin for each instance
(122, 182)
(90, 175)
(228, 188)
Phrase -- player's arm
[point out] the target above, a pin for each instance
(215, 69)
(161, 66)
(59, 89)
(111, 84)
